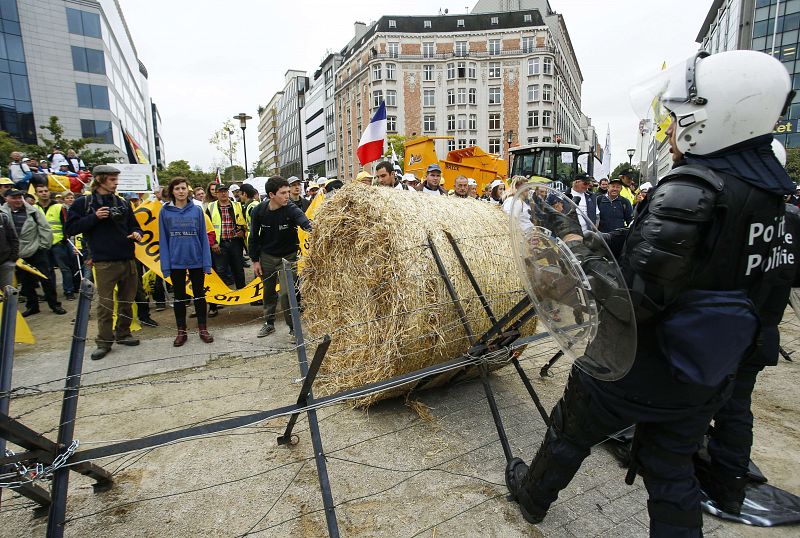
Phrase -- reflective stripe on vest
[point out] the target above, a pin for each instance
(53, 216)
(216, 217)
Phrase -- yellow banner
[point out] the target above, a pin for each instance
(25, 266)
(147, 252)
(22, 332)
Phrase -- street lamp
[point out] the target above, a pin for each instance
(630, 156)
(230, 145)
(509, 140)
(242, 117)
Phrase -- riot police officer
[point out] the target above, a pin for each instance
(699, 260)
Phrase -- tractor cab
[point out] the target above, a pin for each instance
(550, 162)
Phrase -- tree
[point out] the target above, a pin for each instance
(793, 163)
(234, 173)
(260, 170)
(226, 139)
(397, 142)
(625, 166)
(197, 177)
(80, 145)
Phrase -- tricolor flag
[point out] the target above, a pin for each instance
(605, 169)
(217, 179)
(370, 148)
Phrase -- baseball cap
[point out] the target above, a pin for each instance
(615, 180)
(322, 181)
(409, 177)
(14, 192)
(583, 177)
(222, 187)
(5, 181)
(234, 187)
(104, 169)
(645, 186)
(293, 179)
(471, 182)
(434, 167)
(493, 184)
(363, 175)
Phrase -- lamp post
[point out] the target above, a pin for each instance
(242, 117)
(630, 157)
(230, 145)
(509, 140)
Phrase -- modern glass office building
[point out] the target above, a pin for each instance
(16, 110)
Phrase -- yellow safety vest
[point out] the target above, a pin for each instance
(216, 217)
(53, 216)
(626, 193)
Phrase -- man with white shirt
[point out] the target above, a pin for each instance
(585, 200)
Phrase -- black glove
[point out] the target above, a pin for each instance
(562, 224)
(604, 283)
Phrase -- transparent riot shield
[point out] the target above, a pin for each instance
(573, 281)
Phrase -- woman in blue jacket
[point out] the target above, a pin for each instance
(184, 249)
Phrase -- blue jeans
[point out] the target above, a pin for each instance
(64, 258)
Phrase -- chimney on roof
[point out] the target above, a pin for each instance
(360, 28)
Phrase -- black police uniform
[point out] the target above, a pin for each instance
(697, 259)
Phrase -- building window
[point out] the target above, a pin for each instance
(462, 143)
(391, 97)
(528, 43)
(462, 70)
(426, 24)
(547, 66)
(533, 140)
(462, 96)
(547, 139)
(429, 123)
(494, 47)
(473, 70)
(377, 97)
(391, 72)
(451, 122)
(533, 118)
(97, 129)
(88, 60)
(461, 48)
(391, 124)
(473, 96)
(428, 98)
(428, 49)
(462, 122)
(547, 92)
(451, 97)
(83, 23)
(494, 69)
(494, 95)
(533, 92)
(546, 118)
(494, 145)
(392, 23)
(92, 96)
(495, 20)
(394, 50)
(376, 72)
(451, 71)
(460, 23)
(533, 66)
(473, 122)
(528, 17)
(494, 121)
(427, 72)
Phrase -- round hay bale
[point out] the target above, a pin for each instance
(371, 282)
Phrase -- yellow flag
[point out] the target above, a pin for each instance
(22, 332)
(303, 235)
(25, 266)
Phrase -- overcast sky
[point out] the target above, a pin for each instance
(209, 60)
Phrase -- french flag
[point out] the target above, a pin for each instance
(370, 148)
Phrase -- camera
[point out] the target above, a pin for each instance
(117, 213)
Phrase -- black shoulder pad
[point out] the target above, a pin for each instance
(695, 170)
(683, 198)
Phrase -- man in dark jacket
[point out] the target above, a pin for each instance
(108, 225)
(273, 238)
(9, 251)
(615, 211)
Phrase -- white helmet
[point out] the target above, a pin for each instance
(719, 100)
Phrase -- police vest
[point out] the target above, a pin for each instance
(53, 216)
(216, 217)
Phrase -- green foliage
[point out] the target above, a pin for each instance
(90, 156)
(260, 170)
(793, 164)
(227, 139)
(397, 142)
(624, 166)
(196, 177)
(233, 173)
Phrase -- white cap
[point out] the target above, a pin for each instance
(408, 176)
(292, 179)
(234, 187)
(493, 184)
(322, 181)
(645, 186)
(471, 182)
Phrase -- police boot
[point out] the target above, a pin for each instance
(516, 474)
(725, 490)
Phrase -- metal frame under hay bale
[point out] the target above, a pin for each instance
(371, 282)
